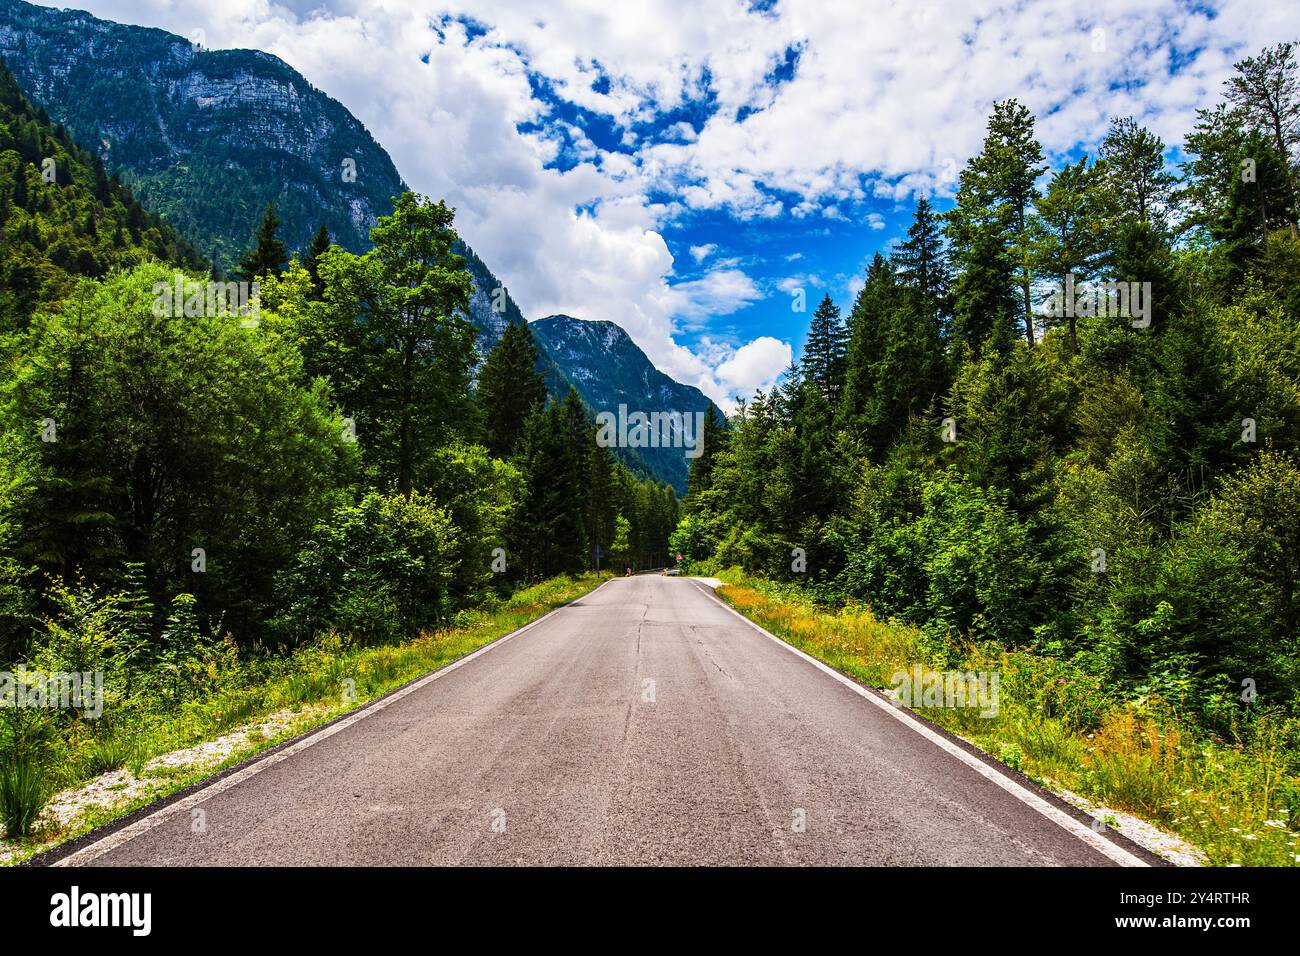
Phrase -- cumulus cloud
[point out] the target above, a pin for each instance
(754, 365)
(815, 109)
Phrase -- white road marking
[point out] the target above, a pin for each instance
(1032, 800)
(112, 841)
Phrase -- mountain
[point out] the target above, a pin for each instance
(62, 215)
(207, 138)
(610, 370)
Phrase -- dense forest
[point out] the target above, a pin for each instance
(190, 478)
(989, 446)
(62, 215)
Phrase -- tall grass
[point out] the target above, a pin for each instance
(1237, 799)
(22, 794)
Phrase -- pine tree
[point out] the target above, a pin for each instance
(509, 388)
(711, 438)
(1266, 90)
(268, 255)
(1132, 168)
(1013, 161)
(989, 227)
(867, 330)
(921, 262)
(982, 230)
(555, 455)
(320, 243)
(823, 358)
(896, 363)
(1238, 190)
(1067, 231)
(600, 516)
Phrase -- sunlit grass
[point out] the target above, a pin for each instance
(1234, 799)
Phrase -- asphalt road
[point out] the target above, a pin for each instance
(644, 724)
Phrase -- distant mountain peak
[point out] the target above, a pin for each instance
(610, 370)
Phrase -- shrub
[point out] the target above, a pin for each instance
(966, 566)
(377, 570)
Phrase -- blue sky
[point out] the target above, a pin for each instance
(680, 168)
(781, 254)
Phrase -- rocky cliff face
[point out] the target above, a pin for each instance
(609, 370)
(208, 137)
(205, 137)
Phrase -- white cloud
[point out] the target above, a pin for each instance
(791, 284)
(702, 252)
(754, 365)
(719, 292)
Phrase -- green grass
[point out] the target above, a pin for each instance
(318, 683)
(22, 794)
(1237, 799)
(110, 752)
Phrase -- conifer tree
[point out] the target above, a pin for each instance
(1266, 91)
(867, 329)
(509, 388)
(921, 261)
(981, 228)
(823, 358)
(268, 254)
(320, 243)
(1132, 167)
(711, 438)
(1067, 232)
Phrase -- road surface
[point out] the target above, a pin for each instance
(644, 724)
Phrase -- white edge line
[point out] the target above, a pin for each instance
(1032, 800)
(117, 838)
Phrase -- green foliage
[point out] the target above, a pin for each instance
(1115, 497)
(379, 570)
(391, 336)
(62, 216)
(823, 358)
(509, 388)
(22, 794)
(171, 433)
(963, 566)
(268, 255)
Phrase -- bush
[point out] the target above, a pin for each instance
(966, 567)
(378, 570)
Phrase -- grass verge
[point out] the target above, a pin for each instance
(101, 775)
(1236, 799)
